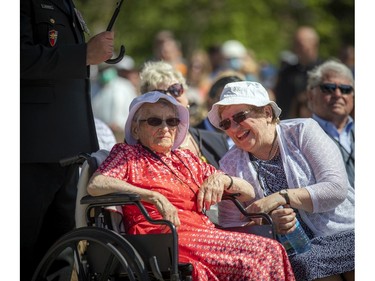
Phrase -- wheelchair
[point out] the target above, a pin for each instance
(100, 249)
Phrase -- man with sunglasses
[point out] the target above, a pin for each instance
(330, 94)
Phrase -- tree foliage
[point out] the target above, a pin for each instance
(265, 26)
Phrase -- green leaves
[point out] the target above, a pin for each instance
(265, 27)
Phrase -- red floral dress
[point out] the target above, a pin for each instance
(214, 253)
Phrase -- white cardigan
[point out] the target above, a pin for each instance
(311, 160)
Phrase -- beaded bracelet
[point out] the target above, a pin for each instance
(231, 182)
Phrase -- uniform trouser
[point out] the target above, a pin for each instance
(48, 193)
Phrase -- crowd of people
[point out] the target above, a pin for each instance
(237, 126)
(181, 132)
(285, 83)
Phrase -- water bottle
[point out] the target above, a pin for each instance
(296, 242)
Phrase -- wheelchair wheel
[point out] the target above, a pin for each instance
(91, 253)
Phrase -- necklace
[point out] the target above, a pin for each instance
(172, 171)
(257, 164)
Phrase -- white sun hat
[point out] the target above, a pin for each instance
(233, 49)
(243, 92)
(153, 97)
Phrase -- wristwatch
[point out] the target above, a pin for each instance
(284, 193)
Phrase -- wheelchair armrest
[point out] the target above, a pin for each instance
(267, 230)
(118, 199)
(112, 199)
(233, 198)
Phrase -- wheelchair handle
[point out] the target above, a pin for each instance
(233, 198)
(77, 159)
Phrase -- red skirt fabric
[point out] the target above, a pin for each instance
(222, 255)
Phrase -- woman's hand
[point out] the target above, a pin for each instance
(265, 204)
(100, 184)
(166, 209)
(213, 188)
(284, 220)
(211, 191)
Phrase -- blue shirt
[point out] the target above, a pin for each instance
(344, 138)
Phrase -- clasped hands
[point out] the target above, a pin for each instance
(283, 216)
(209, 193)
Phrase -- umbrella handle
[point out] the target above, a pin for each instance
(109, 28)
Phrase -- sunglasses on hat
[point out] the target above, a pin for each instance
(175, 90)
(155, 121)
(238, 118)
(330, 88)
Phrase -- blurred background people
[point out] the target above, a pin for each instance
(199, 82)
(330, 92)
(198, 73)
(106, 138)
(234, 53)
(167, 48)
(292, 76)
(238, 58)
(111, 103)
(216, 58)
(347, 56)
(127, 69)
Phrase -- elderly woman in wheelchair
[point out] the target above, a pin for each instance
(177, 186)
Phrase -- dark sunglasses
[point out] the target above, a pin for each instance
(331, 88)
(155, 121)
(238, 118)
(175, 90)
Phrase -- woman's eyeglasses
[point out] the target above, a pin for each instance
(330, 88)
(175, 90)
(238, 118)
(155, 121)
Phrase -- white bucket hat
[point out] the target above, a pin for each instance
(153, 97)
(243, 92)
